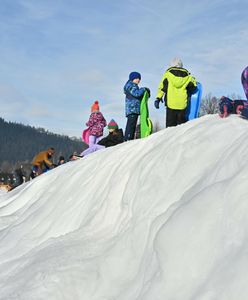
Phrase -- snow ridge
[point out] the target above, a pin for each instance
(158, 218)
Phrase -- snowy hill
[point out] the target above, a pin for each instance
(160, 218)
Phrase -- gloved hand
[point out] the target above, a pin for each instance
(148, 91)
(156, 103)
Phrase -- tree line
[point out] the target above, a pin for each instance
(20, 143)
(210, 104)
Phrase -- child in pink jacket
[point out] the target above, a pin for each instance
(96, 124)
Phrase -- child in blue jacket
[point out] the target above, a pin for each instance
(134, 96)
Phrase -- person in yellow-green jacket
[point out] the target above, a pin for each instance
(175, 89)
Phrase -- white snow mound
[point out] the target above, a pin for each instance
(160, 218)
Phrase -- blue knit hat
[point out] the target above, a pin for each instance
(134, 75)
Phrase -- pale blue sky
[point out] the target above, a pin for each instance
(58, 56)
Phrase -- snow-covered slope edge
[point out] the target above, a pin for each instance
(159, 218)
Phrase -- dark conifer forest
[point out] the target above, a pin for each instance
(20, 143)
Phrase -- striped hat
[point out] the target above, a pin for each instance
(112, 124)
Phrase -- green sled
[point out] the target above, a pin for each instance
(145, 122)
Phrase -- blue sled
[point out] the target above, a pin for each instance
(195, 103)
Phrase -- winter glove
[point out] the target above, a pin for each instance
(148, 91)
(156, 103)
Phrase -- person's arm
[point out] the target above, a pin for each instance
(134, 90)
(162, 87)
(48, 162)
(113, 139)
(90, 123)
(104, 123)
(191, 88)
(119, 136)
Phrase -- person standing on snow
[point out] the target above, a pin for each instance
(133, 99)
(176, 86)
(114, 138)
(244, 80)
(96, 124)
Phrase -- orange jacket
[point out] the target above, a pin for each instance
(42, 158)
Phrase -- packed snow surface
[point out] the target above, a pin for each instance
(2, 191)
(160, 218)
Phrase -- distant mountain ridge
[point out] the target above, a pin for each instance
(20, 143)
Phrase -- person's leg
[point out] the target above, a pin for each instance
(92, 140)
(181, 116)
(92, 149)
(244, 80)
(137, 134)
(98, 138)
(37, 170)
(34, 172)
(171, 117)
(130, 127)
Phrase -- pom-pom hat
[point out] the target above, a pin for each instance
(95, 107)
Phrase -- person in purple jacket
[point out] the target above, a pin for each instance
(96, 124)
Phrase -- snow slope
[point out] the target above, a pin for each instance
(160, 218)
(2, 191)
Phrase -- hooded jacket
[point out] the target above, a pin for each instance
(134, 96)
(112, 139)
(96, 123)
(42, 159)
(177, 85)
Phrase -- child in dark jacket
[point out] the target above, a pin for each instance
(114, 138)
(134, 96)
(96, 124)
